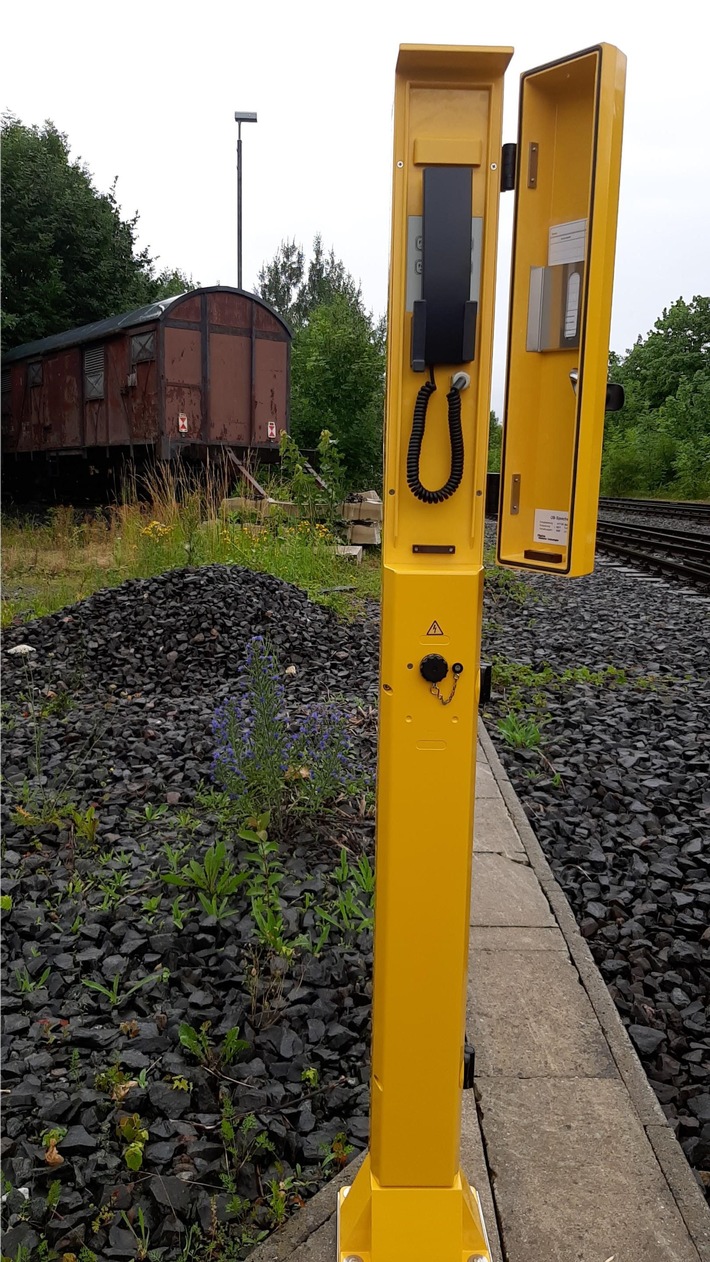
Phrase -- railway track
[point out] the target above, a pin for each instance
(680, 553)
(692, 510)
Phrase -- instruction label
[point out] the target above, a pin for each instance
(566, 242)
(550, 526)
(435, 629)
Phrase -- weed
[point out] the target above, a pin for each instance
(187, 821)
(86, 823)
(214, 880)
(115, 995)
(264, 985)
(179, 1083)
(53, 1194)
(262, 763)
(364, 875)
(310, 1076)
(57, 705)
(251, 735)
(503, 585)
(218, 909)
(26, 984)
(50, 1138)
(199, 1044)
(520, 733)
(179, 913)
(342, 873)
(152, 812)
(133, 1132)
(113, 888)
(336, 1154)
(271, 929)
(173, 856)
(103, 1217)
(114, 1081)
(5, 902)
(243, 1142)
(75, 1066)
(151, 907)
(142, 1236)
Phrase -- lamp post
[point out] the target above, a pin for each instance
(240, 116)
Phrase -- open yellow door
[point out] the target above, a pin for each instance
(567, 193)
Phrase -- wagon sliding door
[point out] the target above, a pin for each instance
(182, 375)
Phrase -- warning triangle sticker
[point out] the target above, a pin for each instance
(435, 629)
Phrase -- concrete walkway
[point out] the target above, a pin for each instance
(568, 1148)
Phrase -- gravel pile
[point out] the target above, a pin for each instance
(128, 681)
(618, 793)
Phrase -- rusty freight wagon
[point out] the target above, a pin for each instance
(197, 373)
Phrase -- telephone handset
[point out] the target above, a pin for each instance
(444, 317)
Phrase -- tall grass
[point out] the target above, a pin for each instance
(167, 519)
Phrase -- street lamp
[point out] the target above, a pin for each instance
(240, 116)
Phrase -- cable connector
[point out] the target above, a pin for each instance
(460, 381)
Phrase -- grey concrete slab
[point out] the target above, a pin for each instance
(572, 1175)
(493, 831)
(506, 893)
(500, 938)
(528, 1017)
(486, 786)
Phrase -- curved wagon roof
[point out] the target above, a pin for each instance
(100, 329)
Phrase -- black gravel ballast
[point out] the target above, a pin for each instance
(228, 1142)
(614, 680)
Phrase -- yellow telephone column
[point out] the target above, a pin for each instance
(411, 1202)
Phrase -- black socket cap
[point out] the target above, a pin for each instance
(434, 668)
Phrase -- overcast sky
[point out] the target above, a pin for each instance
(148, 92)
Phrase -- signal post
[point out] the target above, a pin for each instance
(410, 1201)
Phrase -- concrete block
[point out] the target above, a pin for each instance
(530, 1018)
(357, 533)
(361, 509)
(493, 830)
(351, 552)
(506, 893)
(242, 504)
(574, 1174)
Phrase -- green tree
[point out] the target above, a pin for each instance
(495, 440)
(337, 358)
(297, 289)
(337, 373)
(676, 348)
(68, 256)
(659, 442)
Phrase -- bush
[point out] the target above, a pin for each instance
(267, 764)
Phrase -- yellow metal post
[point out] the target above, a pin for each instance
(410, 1202)
(566, 204)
